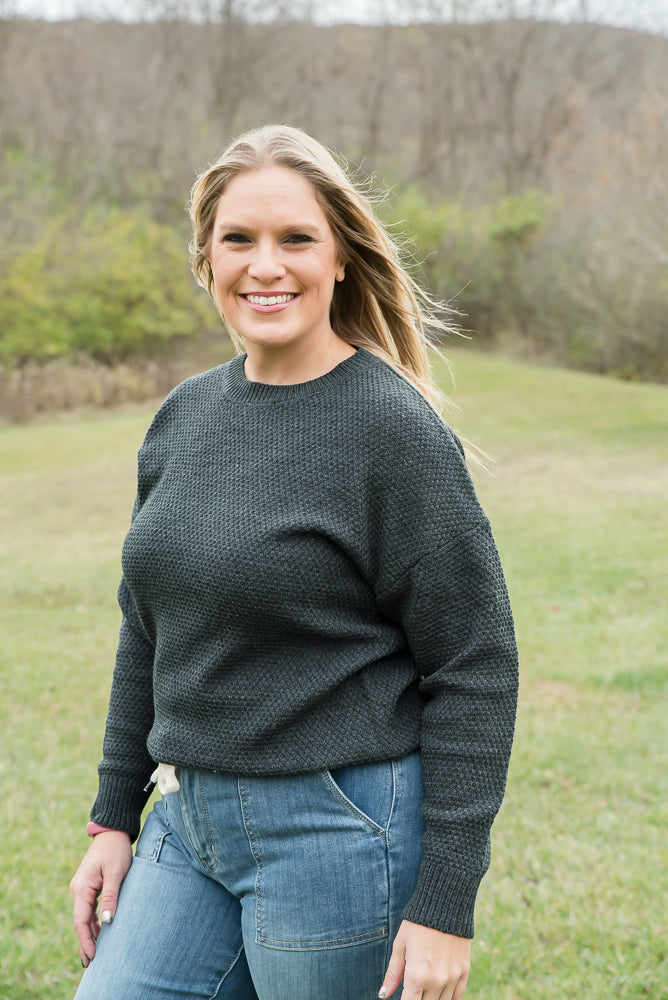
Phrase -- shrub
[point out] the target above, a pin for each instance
(478, 255)
(585, 288)
(108, 286)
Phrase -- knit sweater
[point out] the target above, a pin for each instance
(309, 582)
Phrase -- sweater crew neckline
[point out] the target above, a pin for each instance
(238, 386)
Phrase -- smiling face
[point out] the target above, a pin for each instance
(274, 261)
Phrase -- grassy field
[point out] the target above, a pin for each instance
(575, 902)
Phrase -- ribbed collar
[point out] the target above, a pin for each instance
(237, 386)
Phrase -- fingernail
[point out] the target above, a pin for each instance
(83, 966)
(107, 917)
(382, 992)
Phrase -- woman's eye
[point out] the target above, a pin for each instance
(235, 238)
(297, 238)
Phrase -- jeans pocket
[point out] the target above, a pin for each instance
(322, 878)
(367, 790)
(153, 835)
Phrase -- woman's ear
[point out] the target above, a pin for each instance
(341, 272)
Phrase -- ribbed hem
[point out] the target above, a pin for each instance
(238, 387)
(444, 899)
(119, 804)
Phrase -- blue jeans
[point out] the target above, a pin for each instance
(284, 888)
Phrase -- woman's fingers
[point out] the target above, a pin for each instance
(100, 874)
(461, 986)
(433, 985)
(395, 969)
(85, 924)
(434, 965)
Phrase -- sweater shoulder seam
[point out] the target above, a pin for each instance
(482, 526)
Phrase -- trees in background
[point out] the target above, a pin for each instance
(527, 157)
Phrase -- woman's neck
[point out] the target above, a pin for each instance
(292, 364)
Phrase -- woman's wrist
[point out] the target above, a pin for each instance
(94, 828)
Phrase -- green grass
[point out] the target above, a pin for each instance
(574, 904)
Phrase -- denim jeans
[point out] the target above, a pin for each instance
(289, 888)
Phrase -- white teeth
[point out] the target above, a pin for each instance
(269, 300)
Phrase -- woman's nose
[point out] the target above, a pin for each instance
(266, 264)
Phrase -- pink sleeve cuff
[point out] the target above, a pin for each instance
(94, 828)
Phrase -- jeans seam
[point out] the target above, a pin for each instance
(189, 825)
(388, 867)
(209, 868)
(393, 803)
(365, 938)
(227, 972)
(255, 851)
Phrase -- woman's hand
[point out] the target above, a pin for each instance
(433, 965)
(104, 866)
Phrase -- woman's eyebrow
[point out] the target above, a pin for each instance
(309, 228)
(301, 227)
(231, 226)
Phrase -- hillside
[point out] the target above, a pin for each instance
(525, 159)
(131, 109)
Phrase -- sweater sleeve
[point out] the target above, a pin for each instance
(453, 605)
(457, 617)
(126, 765)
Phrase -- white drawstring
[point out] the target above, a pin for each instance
(165, 778)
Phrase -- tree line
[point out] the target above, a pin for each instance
(524, 160)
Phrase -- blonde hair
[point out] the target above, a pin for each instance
(378, 306)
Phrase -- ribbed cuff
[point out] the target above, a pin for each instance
(444, 899)
(119, 804)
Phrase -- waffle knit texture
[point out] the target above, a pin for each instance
(309, 582)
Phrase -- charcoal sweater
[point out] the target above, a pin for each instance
(309, 582)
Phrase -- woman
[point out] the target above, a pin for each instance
(316, 632)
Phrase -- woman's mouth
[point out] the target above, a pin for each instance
(269, 302)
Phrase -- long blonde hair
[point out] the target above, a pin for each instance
(378, 306)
